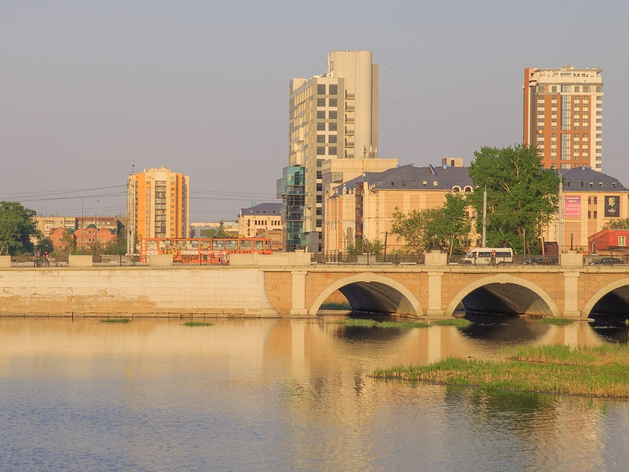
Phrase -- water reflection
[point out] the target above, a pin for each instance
(283, 395)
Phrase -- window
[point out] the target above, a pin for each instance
(621, 241)
(565, 88)
(318, 174)
(332, 138)
(320, 151)
(333, 89)
(333, 127)
(333, 102)
(321, 115)
(594, 214)
(333, 115)
(319, 187)
(321, 89)
(321, 126)
(332, 151)
(321, 138)
(320, 102)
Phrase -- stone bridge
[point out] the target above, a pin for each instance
(436, 289)
(289, 285)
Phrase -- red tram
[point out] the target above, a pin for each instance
(203, 250)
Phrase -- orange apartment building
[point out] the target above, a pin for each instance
(158, 205)
(563, 116)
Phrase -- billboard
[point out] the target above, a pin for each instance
(612, 206)
(572, 206)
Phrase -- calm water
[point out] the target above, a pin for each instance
(280, 395)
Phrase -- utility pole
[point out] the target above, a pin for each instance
(559, 228)
(484, 216)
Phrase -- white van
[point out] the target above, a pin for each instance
(488, 255)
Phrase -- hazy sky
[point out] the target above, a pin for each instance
(89, 89)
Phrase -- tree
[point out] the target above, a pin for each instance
(620, 223)
(16, 229)
(366, 246)
(522, 196)
(444, 228)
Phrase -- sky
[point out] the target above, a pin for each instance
(91, 91)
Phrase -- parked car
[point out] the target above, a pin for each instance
(545, 260)
(607, 261)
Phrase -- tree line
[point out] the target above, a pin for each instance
(19, 236)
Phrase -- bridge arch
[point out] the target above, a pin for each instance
(371, 292)
(612, 299)
(504, 293)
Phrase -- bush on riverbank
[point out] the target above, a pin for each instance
(115, 320)
(197, 323)
(601, 371)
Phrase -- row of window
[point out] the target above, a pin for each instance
(568, 89)
(332, 89)
(332, 115)
(332, 138)
(331, 102)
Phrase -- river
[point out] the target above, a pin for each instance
(285, 395)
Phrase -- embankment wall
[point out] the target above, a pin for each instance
(134, 291)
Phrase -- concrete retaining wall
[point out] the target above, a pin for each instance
(138, 291)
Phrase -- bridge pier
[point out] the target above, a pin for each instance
(435, 306)
(571, 295)
(298, 294)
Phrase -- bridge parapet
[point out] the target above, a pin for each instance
(571, 259)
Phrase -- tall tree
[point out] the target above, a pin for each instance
(445, 228)
(16, 228)
(522, 196)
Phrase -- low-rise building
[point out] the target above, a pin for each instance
(363, 207)
(263, 220)
(590, 201)
(609, 242)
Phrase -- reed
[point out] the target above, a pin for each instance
(362, 323)
(197, 323)
(402, 324)
(601, 371)
(458, 322)
(115, 320)
(555, 321)
(357, 323)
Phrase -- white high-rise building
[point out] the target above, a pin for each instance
(333, 116)
(563, 116)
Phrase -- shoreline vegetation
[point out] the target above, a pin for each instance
(115, 320)
(601, 371)
(197, 323)
(368, 323)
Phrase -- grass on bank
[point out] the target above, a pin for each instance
(115, 320)
(197, 323)
(601, 371)
(362, 323)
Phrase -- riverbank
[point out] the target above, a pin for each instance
(601, 371)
